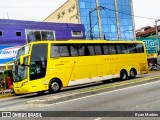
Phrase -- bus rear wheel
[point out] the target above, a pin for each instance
(123, 75)
(54, 86)
(132, 74)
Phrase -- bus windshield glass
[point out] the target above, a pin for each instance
(20, 71)
(22, 51)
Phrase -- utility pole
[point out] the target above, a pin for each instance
(98, 8)
(157, 41)
(90, 23)
(117, 19)
(99, 19)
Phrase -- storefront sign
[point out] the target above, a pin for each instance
(8, 53)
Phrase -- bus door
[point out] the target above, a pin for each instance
(38, 67)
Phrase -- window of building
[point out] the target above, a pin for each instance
(77, 34)
(38, 35)
(18, 33)
(1, 33)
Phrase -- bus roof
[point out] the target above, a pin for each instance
(84, 41)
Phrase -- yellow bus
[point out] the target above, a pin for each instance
(51, 65)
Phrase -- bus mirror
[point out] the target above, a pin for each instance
(21, 60)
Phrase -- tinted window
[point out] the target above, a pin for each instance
(132, 48)
(91, 50)
(118, 49)
(98, 50)
(81, 50)
(112, 49)
(121, 49)
(77, 50)
(105, 49)
(59, 50)
(139, 48)
(38, 61)
(74, 50)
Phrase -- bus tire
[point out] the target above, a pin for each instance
(132, 74)
(54, 86)
(123, 75)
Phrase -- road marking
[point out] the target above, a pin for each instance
(104, 93)
(98, 119)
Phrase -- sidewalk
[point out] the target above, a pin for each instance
(7, 94)
(6, 91)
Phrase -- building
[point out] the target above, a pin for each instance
(147, 31)
(104, 19)
(16, 33)
(148, 35)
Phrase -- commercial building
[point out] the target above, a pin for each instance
(103, 19)
(16, 33)
(148, 35)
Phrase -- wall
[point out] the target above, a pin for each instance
(67, 13)
(10, 27)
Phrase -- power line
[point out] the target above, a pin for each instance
(127, 14)
(116, 25)
(92, 28)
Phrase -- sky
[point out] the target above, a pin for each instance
(38, 10)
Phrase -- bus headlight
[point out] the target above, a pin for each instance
(24, 83)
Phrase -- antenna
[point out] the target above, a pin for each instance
(7, 15)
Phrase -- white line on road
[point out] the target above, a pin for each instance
(98, 119)
(105, 93)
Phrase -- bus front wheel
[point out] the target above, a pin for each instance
(54, 86)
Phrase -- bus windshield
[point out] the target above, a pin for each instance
(19, 71)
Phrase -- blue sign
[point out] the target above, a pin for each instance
(8, 53)
(150, 44)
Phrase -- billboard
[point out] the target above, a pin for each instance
(151, 46)
(8, 53)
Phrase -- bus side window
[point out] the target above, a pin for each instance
(124, 49)
(91, 50)
(98, 50)
(118, 49)
(105, 50)
(55, 51)
(112, 49)
(64, 51)
(74, 51)
(139, 48)
(132, 48)
(81, 50)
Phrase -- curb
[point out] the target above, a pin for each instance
(6, 95)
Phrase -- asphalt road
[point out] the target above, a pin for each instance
(20, 100)
(144, 97)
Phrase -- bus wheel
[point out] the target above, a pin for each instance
(54, 86)
(123, 75)
(132, 74)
